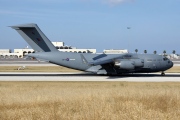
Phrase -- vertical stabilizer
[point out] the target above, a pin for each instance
(35, 37)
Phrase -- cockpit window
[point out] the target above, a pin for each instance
(165, 58)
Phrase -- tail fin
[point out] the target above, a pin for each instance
(35, 37)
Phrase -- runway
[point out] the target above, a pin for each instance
(42, 76)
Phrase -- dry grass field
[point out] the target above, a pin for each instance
(36, 69)
(89, 101)
(175, 69)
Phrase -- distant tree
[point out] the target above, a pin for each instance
(174, 52)
(145, 51)
(155, 52)
(164, 52)
(136, 50)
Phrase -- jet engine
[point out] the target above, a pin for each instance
(128, 65)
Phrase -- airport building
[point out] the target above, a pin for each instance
(20, 53)
(116, 51)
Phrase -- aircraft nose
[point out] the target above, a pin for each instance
(171, 64)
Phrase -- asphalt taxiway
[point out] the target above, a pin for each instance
(41, 76)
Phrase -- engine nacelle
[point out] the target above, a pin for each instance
(127, 65)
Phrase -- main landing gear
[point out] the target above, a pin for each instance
(162, 74)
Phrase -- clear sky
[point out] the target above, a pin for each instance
(100, 24)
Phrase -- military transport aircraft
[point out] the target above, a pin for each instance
(109, 64)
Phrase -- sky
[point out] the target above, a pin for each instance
(101, 24)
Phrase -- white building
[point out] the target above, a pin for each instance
(112, 51)
(20, 53)
(173, 56)
(23, 52)
(6, 54)
(58, 43)
(5, 51)
(79, 50)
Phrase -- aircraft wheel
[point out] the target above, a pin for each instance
(162, 74)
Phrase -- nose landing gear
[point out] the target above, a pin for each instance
(162, 73)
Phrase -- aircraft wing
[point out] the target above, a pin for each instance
(100, 62)
(101, 59)
(123, 61)
(105, 59)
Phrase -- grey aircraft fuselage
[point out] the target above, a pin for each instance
(96, 63)
(152, 62)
